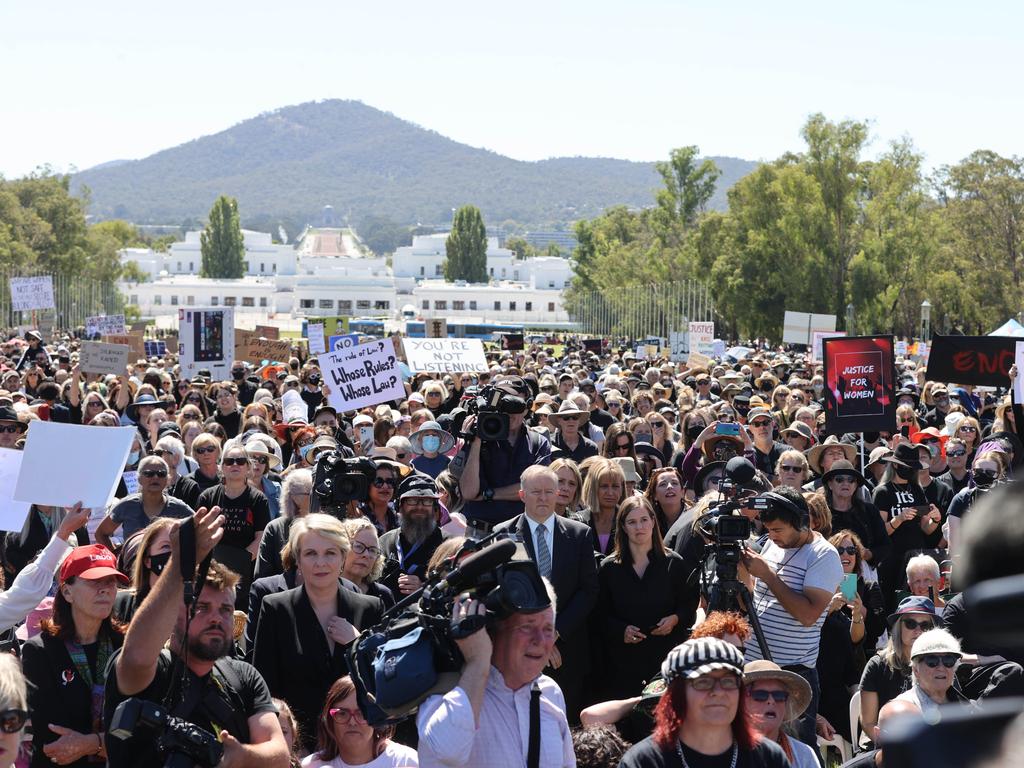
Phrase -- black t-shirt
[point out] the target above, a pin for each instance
(203, 482)
(647, 754)
(251, 698)
(603, 419)
(952, 482)
(244, 515)
(880, 678)
(891, 498)
(230, 421)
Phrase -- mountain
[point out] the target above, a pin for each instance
(291, 162)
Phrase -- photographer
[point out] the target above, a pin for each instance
(486, 719)
(795, 576)
(227, 697)
(490, 479)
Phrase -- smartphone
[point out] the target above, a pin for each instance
(366, 437)
(849, 586)
(905, 430)
(730, 428)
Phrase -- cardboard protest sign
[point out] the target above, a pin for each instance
(983, 360)
(363, 375)
(445, 355)
(91, 460)
(104, 325)
(134, 341)
(697, 360)
(798, 327)
(253, 348)
(269, 331)
(315, 334)
(207, 340)
(97, 357)
(12, 513)
(860, 392)
(28, 293)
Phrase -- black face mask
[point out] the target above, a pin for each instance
(905, 473)
(692, 433)
(984, 478)
(871, 437)
(157, 563)
(238, 375)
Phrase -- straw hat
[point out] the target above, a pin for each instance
(799, 690)
(568, 408)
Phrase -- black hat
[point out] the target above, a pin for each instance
(842, 467)
(168, 428)
(906, 455)
(702, 475)
(7, 413)
(418, 484)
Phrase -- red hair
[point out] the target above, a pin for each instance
(670, 713)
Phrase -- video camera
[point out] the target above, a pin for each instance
(725, 530)
(338, 479)
(492, 407)
(184, 744)
(411, 654)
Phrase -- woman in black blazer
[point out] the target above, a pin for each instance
(302, 633)
(65, 665)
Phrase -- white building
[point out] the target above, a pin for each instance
(165, 295)
(424, 259)
(507, 302)
(262, 257)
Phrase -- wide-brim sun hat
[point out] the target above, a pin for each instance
(427, 427)
(814, 454)
(799, 690)
(258, 448)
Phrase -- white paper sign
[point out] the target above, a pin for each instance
(12, 513)
(131, 481)
(104, 325)
(445, 355)
(361, 376)
(88, 461)
(702, 338)
(32, 293)
(97, 357)
(315, 333)
(816, 345)
(900, 348)
(206, 338)
(797, 327)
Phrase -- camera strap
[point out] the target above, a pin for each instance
(533, 750)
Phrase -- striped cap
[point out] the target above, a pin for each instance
(698, 657)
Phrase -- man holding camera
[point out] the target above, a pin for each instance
(223, 696)
(795, 576)
(503, 710)
(490, 479)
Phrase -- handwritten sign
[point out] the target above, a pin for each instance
(702, 337)
(134, 341)
(131, 481)
(96, 357)
(28, 293)
(104, 325)
(315, 334)
(697, 360)
(253, 348)
(445, 355)
(363, 375)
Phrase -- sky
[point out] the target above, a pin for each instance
(86, 83)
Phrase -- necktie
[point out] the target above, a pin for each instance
(543, 553)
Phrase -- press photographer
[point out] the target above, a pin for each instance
(795, 576)
(190, 705)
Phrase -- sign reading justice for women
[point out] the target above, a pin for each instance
(362, 375)
(859, 384)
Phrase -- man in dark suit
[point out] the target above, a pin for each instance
(563, 551)
(408, 548)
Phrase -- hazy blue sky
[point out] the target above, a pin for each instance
(84, 83)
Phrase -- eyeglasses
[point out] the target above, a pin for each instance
(780, 697)
(12, 720)
(260, 460)
(161, 473)
(790, 468)
(342, 715)
(238, 461)
(932, 660)
(9, 428)
(423, 501)
(705, 683)
(205, 449)
(849, 551)
(924, 626)
(380, 482)
(361, 549)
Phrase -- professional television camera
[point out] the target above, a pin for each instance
(338, 480)
(411, 654)
(184, 743)
(492, 407)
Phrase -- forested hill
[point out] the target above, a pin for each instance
(291, 162)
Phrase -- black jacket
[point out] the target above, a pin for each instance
(413, 563)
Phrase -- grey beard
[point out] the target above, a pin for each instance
(416, 531)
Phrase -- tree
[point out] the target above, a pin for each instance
(466, 247)
(222, 245)
(520, 246)
(688, 187)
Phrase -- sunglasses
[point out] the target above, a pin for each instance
(260, 460)
(161, 473)
(11, 428)
(850, 551)
(759, 423)
(968, 429)
(955, 454)
(780, 697)
(844, 478)
(205, 449)
(238, 461)
(789, 468)
(913, 624)
(932, 660)
(613, 404)
(12, 720)
(380, 482)
(658, 425)
(623, 446)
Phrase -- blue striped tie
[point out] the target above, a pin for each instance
(543, 553)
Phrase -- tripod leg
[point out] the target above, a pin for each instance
(755, 623)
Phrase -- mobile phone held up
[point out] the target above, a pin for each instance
(727, 428)
(849, 586)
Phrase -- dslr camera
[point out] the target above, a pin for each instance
(182, 743)
(492, 407)
(338, 479)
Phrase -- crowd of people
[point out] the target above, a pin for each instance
(609, 471)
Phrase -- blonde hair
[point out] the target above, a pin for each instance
(204, 439)
(13, 690)
(352, 527)
(591, 486)
(327, 526)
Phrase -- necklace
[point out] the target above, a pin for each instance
(682, 758)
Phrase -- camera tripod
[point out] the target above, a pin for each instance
(725, 595)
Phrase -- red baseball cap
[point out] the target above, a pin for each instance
(91, 562)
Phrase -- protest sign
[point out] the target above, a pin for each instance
(1018, 383)
(253, 348)
(12, 513)
(157, 348)
(593, 345)
(206, 340)
(512, 341)
(269, 331)
(702, 337)
(445, 355)
(134, 341)
(363, 375)
(131, 481)
(798, 327)
(718, 348)
(28, 293)
(104, 325)
(817, 337)
(315, 334)
(901, 348)
(678, 342)
(436, 328)
(697, 360)
(983, 360)
(859, 372)
(343, 341)
(97, 357)
(91, 460)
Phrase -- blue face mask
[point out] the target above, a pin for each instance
(431, 443)
(133, 457)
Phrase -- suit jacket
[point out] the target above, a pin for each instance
(259, 589)
(292, 653)
(583, 516)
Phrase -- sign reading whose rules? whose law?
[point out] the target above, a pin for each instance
(445, 355)
(363, 375)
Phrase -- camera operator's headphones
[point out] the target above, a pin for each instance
(802, 515)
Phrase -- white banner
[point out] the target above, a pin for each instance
(104, 325)
(97, 357)
(29, 293)
(12, 513)
(445, 355)
(363, 375)
(207, 340)
(798, 327)
(702, 338)
(817, 336)
(315, 334)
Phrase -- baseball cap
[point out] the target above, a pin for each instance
(93, 561)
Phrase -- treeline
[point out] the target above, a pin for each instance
(822, 230)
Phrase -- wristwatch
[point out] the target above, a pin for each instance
(488, 494)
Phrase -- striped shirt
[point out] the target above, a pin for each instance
(815, 565)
